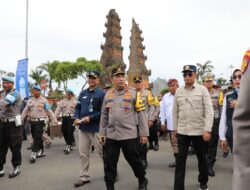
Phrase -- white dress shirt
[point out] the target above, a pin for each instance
(166, 110)
(223, 121)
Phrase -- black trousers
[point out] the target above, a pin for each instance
(200, 150)
(153, 137)
(36, 129)
(213, 143)
(229, 137)
(143, 150)
(68, 130)
(10, 137)
(111, 156)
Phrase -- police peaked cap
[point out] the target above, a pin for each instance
(93, 73)
(208, 76)
(117, 70)
(190, 68)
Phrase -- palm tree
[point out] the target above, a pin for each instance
(204, 68)
(11, 74)
(50, 68)
(221, 81)
(37, 75)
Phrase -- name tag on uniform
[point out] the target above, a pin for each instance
(84, 97)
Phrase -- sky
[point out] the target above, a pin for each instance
(176, 32)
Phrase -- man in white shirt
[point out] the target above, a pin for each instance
(166, 115)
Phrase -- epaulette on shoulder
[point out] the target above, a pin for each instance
(111, 90)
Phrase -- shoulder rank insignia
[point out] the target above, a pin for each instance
(245, 62)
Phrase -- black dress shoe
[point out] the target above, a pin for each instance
(112, 187)
(172, 165)
(29, 148)
(80, 183)
(156, 147)
(150, 147)
(48, 145)
(1, 173)
(143, 184)
(16, 171)
(33, 157)
(211, 172)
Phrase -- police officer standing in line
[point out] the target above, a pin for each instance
(36, 110)
(87, 115)
(241, 128)
(66, 110)
(148, 101)
(208, 79)
(193, 119)
(123, 113)
(10, 126)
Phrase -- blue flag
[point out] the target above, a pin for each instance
(22, 78)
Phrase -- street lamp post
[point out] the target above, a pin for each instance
(26, 33)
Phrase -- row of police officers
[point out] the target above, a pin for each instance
(116, 120)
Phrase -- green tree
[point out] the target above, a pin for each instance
(50, 69)
(83, 65)
(63, 73)
(37, 75)
(221, 81)
(203, 68)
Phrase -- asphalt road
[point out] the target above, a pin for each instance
(57, 171)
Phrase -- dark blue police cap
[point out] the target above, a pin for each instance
(190, 68)
(93, 73)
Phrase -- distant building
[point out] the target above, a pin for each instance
(137, 58)
(112, 50)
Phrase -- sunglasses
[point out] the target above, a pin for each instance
(189, 74)
(236, 76)
(91, 77)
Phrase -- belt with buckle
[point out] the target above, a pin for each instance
(7, 120)
(37, 119)
(68, 115)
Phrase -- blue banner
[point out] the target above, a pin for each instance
(22, 78)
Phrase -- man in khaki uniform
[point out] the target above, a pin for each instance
(123, 113)
(241, 128)
(66, 110)
(149, 102)
(36, 110)
(208, 79)
(192, 121)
